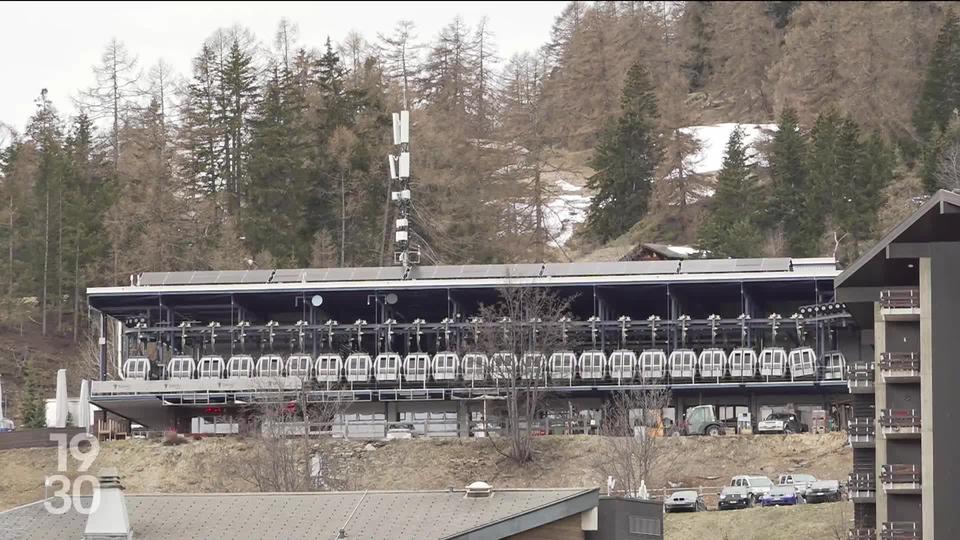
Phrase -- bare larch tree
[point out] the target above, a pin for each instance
(523, 329)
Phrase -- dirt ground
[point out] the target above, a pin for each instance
(828, 521)
(562, 461)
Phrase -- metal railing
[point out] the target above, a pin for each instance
(860, 374)
(900, 530)
(894, 420)
(862, 482)
(900, 299)
(893, 361)
(862, 429)
(900, 474)
(862, 534)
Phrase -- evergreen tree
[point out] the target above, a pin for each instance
(940, 93)
(33, 409)
(730, 228)
(790, 187)
(626, 159)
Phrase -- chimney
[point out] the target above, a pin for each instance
(109, 519)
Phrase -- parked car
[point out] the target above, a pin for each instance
(400, 430)
(800, 481)
(732, 497)
(785, 423)
(757, 486)
(823, 491)
(781, 496)
(684, 501)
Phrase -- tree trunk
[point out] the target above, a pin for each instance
(60, 260)
(76, 287)
(10, 250)
(538, 210)
(46, 255)
(343, 220)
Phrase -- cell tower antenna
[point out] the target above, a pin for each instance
(405, 253)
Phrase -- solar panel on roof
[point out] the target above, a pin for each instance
(714, 266)
(152, 278)
(178, 278)
(613, 268)
(257, 276)
(231, 276)
(288, 276)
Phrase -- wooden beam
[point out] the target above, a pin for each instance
(858, 294)
(917, 250)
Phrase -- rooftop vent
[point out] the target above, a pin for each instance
(109, 519)
(478, 490)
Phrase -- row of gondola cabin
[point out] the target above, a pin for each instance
(623, 364)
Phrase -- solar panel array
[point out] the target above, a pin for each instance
(467, 271)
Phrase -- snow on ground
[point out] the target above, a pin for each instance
(713, 143)
(568, 208)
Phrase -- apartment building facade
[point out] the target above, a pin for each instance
(906, 477)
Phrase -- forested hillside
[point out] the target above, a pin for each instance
(272, 154)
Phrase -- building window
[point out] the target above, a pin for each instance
(644, 526)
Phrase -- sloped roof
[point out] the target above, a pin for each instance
(937, 220)
(401, 515)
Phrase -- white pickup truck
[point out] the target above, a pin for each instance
(801, 482)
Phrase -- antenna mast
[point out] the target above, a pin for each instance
(404, 253)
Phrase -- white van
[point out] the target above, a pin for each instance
(757, 486)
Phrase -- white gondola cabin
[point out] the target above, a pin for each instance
(653, 364)
(773, 362)
(683, 364)
(181, 367)
(593, 364)
(358, 367)
(328, 368)
(387, 367)
(137, 368)
(210, 367)
(240, 365)
(743, 363)
(623, 363)
(533, 366)
(803, 362)
(713, 363)
(299, 366)
(416, 367)
(834, 365)
(270, 365)
(563, 366)
(503, 365)
(445, 366)
(474, 366)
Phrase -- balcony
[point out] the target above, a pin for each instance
(862, 534)
(900, 305)
(862, 487)
(900, 423)
(862, 432)
(900, 479)
(900, 530)
(860, 377)
(900, 367)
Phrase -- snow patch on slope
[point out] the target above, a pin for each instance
(712, 140)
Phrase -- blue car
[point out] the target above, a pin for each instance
(781, 496)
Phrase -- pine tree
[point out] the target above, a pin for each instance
(730, 228)
(940, 93)
(33, 408)
(626, 159)
(790, 185)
